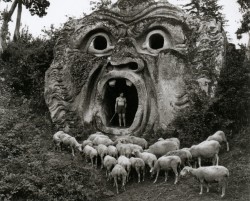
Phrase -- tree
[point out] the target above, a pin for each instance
(36, 7)
(99, 4)
(205, 9)
(245, 23)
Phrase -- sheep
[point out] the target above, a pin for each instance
(71, 141)
(166, 163)
(90, 152)
(102, 151)
(206, 149)
(101, 140)
(207, 175)
(160, 148)
(184, 156)
(148, 158)
(109, 162)
(132, 140)
(123, 149)
(139, 165)
(139, 141)
(173, 139)
(187, 150)
(58, 137)
(87, 142)
(118, 172)
(125, 162)
(112, 151)
(123, 139)
(97, 134)
(220, 137)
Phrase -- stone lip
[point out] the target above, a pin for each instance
(141, 112)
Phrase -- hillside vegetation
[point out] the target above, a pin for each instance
(32, 170)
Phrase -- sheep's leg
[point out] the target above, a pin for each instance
(124, 182)
(144, 171)
(227, 146)
(96, 162)
(102, 162)
(199, 161)
(72, 149)
(138, 173)
(128, 169)
(92, 162)
(201, 187)
(207, 186)
(176, 175)
(223, 191)
(166, 176)
(216, 160)
(157, 174)
(115, 180)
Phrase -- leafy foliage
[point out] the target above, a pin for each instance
(205, 9)
(97, 5)
(25, 63)
(228, 111)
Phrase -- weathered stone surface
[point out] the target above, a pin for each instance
(150, 50)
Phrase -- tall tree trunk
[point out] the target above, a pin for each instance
(4, 29)
(18, 21)
(248, 47)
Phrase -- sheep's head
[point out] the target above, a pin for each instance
(152, 171)
(185, 171)
(79, 147)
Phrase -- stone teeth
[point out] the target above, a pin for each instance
(129, 83)
(112, 83)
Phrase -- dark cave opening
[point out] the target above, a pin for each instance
(111, 93)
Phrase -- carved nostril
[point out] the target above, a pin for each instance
(133, 66)
(109, 67)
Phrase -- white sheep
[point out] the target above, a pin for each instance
(101, 140)
(91, 153)
(184, 156)
(123, 149)
(206, 149)
(125, 162)
(220, 137)
(139, 165)
(109, 162)
(72, 143)
(160, 148)
(139, 141)
(118, 172)
(166, 163)
(112, 151)
(57, 139)
(209, 174)
(87, 142)
(187, 150)
(102, 151)
(97, 134)
(123, 139)
(173, 139)
(148, 158)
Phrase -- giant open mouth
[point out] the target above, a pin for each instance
(109, 88)
(113, 89)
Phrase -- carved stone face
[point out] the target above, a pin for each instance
(137, 48)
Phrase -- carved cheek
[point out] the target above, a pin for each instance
(171, 92)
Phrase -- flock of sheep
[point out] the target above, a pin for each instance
(124, 153)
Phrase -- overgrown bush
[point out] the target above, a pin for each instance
(23, 65)
(228, 111)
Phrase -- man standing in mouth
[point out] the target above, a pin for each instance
(120, 108)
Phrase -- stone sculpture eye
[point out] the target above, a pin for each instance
(156, 41)
(100, 44)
